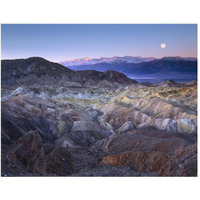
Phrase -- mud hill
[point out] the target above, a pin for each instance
(58, 122)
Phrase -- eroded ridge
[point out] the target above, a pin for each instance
(92, 123)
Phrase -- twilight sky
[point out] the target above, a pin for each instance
(58, 42)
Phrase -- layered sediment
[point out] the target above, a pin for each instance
(57, 122)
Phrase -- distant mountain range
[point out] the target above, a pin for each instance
(117, 59)
(139, 67)
(90, 61)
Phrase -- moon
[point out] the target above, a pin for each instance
(163, 45)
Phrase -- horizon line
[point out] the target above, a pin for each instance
(100, 57)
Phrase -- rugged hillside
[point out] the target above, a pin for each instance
(38, 70)
(58, 122)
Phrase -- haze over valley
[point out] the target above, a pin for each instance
(176, 68)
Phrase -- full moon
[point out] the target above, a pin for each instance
(163, 45)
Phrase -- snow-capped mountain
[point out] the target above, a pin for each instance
(181, 67)
(90, 61)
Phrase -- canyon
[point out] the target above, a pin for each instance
(59, 122)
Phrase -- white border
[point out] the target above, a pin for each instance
(104, 11)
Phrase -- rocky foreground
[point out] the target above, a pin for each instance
(58, 122)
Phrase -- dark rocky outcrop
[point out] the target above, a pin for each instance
(38, 70)
(25, 157)
(146, 150)
(59, 162)
(182, 163)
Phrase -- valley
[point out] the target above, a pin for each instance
(176, 68)
(60, 122)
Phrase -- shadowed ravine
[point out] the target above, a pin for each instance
(58, 122)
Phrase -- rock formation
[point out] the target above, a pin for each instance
(58, 122)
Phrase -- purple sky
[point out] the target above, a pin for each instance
(58, 42)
